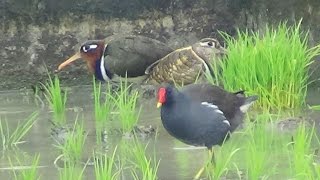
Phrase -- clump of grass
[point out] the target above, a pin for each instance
(71, 171)
(8, 138)
(302, 155)
(102, 109)
(104, 167)
(56, 99)
(73, 146)
(125, 101)
(274, 64)
(27, 173)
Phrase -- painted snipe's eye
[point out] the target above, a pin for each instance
(211, 44)
(86, 48)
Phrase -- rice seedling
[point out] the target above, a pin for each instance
(27, 172)
(301, 155)
(317, 169)
(125, 101)
(73, 146)
(273, 63)
(316, 157)
(8, 138)
(148, 170)
(105, 165)
(224, 157)
(143, 167)
(258, 148)
(71, 171)
(102, 110)
(315, 107)
(56, 99)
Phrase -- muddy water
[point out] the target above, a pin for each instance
(17, 105)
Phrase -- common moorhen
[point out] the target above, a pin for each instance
(202, 114)
(186, 65)
(119, 55)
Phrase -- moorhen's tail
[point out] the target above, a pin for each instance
(248, 102)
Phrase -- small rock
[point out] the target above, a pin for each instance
(148, 91)
(291, 124)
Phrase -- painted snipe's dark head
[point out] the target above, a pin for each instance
(92, 52)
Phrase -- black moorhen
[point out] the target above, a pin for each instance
(202, 114)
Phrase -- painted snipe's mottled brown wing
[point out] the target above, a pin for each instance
(182, 67)
(132, 54)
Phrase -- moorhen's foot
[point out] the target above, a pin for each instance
(198, 175)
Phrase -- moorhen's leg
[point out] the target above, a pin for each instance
(212, 161)
(197, 176)
(211, 156)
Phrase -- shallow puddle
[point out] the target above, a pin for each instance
(177, 160)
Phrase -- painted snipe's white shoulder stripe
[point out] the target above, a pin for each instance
(103, 70)
(207, 69)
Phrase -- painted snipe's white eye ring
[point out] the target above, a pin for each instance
(208, 43)
(87, 48)
(211, 44)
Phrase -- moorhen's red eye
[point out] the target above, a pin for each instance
(86, 48)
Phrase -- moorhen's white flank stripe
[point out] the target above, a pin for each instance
(216, 109)
(226, 121)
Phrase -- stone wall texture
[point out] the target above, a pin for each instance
(37, 35)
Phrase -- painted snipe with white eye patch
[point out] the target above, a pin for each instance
(202, 114)
(119, 56)
(186, 65)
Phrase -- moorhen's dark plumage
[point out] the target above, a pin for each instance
(233, 105)
(119, 56)
(202, 114)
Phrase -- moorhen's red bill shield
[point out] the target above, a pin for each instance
(195, 119)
